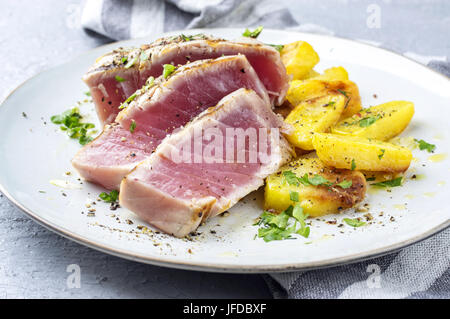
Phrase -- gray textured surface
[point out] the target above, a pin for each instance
(34, 37)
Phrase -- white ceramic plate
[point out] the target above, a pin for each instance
(35, 156)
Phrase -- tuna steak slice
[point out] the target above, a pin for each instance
(117, 75)
(157, 111)
(175, 193)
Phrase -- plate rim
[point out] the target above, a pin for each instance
(217, 267)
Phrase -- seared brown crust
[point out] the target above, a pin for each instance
(121, 56)
(347, 197)
(117, 56)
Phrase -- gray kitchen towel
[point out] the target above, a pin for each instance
(419, 271)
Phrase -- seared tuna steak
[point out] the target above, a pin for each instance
(159, 109)
(117, 75)
(184, 182)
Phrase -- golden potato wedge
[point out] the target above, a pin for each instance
(360, 153)
(315, 200)
(299, 58)
(312, 74)
(300, 91)
(331, 74)
(315, 115)
(381, 122)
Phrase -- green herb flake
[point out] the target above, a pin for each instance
(186, 37)
(343, 92)
(425, 146)
(131, 62)
(124, 59)
(168, 70)
(150, 81)
(278, 47)
(367, 121)
(109, 197)
(380, 156)
(85, 139)
(353, 164)
(119, 78)
(391, 183)
(293, 196)
(300, 217)
(354, 222)
(291, 178)
(318, 180)
(252, 34)
(87, 93)
(132, 126)
(345, 184)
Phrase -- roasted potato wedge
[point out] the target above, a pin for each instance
(315, 200)
(312, 116)
(312, 74)
(300, 91)
(331, 74)
(381, 122)
(299, 58)
(360, 153)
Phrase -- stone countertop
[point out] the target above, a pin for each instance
(34, 37)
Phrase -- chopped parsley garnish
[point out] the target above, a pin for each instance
(293, 196)
(119, 78)
(278, 47)
(129, 100)
(354, 222)
(284, 225)
(168, 70)
(186, 37)
(291, 178)
(87, 93)
(253, 34)
(70, 121)
(345, 184)
(111, 197)
(315, 180)
(124, 59)
(367, 121)
(353, 164)
(130, 63)
(132, 126)
(343, 92)
(391, 183)
(149, 82)
(425, 146)
(380, 156)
